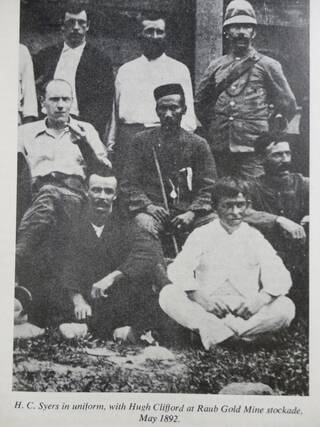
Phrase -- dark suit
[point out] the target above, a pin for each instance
(94, 82)
(90, 258)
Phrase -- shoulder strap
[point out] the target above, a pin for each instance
(236, 72)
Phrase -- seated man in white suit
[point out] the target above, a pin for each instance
(228, 281)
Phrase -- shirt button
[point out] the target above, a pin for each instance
(231, 119)
(232, 104)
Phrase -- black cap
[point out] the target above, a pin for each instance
(168, 89)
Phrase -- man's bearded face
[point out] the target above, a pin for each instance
(240, 35)
(153, 38)
(278, 159)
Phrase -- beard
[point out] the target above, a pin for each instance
(240, 42)
(272, 169)
(152, 49)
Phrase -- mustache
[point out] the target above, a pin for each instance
(285, 166)
(101, 203)
(241, 37)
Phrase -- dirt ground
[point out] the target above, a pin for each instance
(49, 363)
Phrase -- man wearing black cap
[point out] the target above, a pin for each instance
(169, 173)
(239, 95)
(134, 105)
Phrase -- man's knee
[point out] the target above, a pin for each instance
(148, 223)
(168, 294)
(284, 309)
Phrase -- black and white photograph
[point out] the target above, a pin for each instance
(162, 200)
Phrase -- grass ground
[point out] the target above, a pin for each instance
(49, 363)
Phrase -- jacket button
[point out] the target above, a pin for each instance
(232, 104)
(231, 119)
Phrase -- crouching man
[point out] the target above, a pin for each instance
(109, 267)
(228, 280)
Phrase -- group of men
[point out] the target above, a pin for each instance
(92, 244)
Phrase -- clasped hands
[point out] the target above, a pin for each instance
(244, 307)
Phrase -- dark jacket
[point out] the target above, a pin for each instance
(287, 196)
(239, 114)
(121, 246)
(94, 82)
(189, 156)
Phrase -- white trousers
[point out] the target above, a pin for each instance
(193, 315)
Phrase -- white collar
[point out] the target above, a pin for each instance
(44, 128)
(161, 58)
(78, 49)
(222, 231)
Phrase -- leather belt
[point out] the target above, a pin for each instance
(73, 182)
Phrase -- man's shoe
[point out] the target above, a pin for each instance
(73, 330)
(125, 334)
(27, 330)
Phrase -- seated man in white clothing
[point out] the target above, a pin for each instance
(228, 281)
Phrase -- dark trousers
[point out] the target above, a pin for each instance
(161, 231)
(52, 207)
(41, 239)
(128, 304)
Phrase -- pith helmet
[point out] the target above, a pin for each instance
(239, 12)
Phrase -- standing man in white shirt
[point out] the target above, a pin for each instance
(134, 107)
(228, 281)
(28, 106)
(86, 68)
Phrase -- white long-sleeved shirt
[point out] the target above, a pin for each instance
(28, 105)
(241, 263)
(66, 70)
(134, 86)
(46, 152)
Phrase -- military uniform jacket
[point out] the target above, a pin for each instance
(240, 113)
